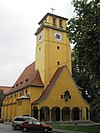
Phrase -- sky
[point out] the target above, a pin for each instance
(18, 24)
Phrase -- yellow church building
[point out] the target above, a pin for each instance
(46, 89)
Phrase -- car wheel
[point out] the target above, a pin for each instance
(25, 129)
(17, 127)
(45, 130)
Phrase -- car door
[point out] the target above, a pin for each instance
(36, 126)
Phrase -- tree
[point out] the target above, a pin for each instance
(84, 32)
(1, 100)
(1, 97)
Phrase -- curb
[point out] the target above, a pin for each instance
(66, 131)
(62, 131)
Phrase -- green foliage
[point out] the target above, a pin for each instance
(84, 32)
(1, 97)
(82, 128)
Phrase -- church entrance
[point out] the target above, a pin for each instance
(55, 114)
(75, 113)
(35, 112)
(87, 117)
(44, 113)
(65, 113)
(0, 112)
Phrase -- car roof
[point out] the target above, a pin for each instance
(24, 117)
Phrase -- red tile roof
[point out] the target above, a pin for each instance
(49, 86)
(5, 89)
(29, 76)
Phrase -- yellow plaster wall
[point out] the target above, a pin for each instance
(14, 111)
(11, 108)
(23, 109)
(49, 21)
(64, 83)
(47, 54)
(35, 92)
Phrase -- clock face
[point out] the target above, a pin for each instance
(57, 36)
(40, 38)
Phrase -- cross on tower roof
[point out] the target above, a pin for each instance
(52, 9)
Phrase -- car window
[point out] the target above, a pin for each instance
(30, 122)
(25, 119)
(36, 122)
(42, 122)
(20, 119)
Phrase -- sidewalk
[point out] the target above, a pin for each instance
(62, 131)
(65, 131)
(8, 123)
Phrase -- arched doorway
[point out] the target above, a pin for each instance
(35, 112)
(55, 114)
(0, 112)
(75, 113)
(65, 113)
(87, 117)
(44, 113)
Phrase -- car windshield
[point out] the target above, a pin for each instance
(42, 122)
(38, 122)
(34, 121)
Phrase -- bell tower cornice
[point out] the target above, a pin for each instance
(50, 27)
(46, 23)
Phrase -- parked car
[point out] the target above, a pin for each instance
(17, 122)
(36, 126)
(1, 121)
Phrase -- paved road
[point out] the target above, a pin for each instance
(7, 128)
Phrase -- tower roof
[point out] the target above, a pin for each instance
(46, 24)
(53, 15)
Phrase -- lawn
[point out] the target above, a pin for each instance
(83, 128)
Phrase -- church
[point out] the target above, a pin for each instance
(46, 89)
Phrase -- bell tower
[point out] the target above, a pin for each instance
(52, 46)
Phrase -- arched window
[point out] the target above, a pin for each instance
(65, 113)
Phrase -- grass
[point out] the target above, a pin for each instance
(82, 128)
